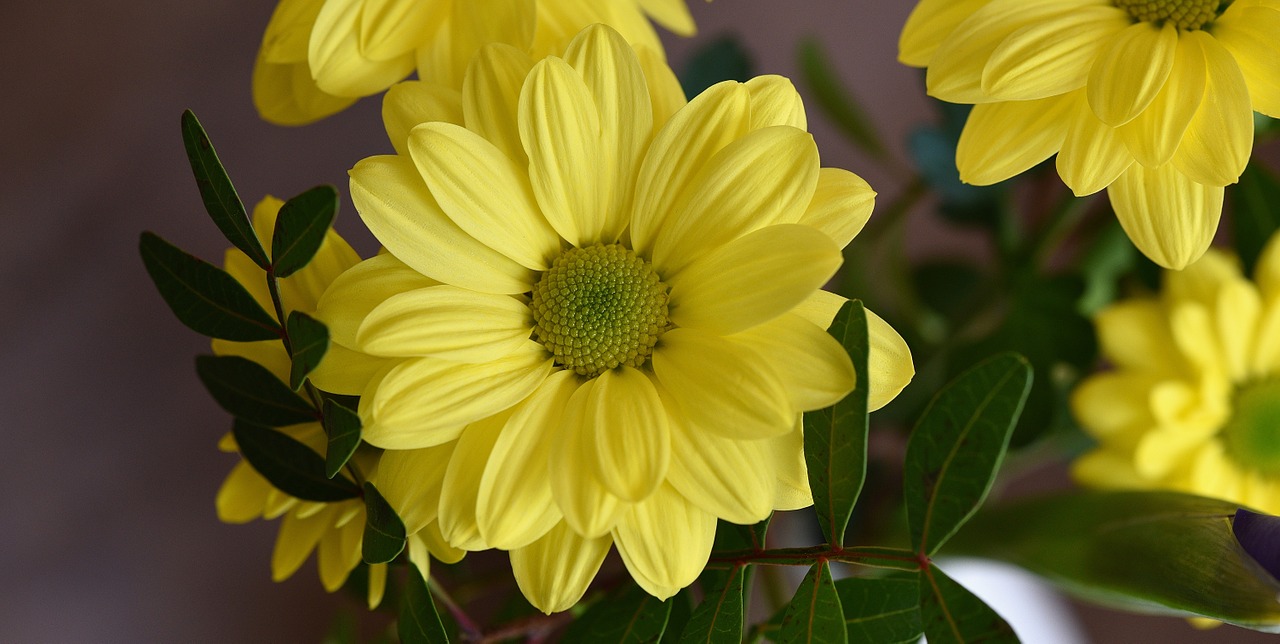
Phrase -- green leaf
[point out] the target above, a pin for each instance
(289, 465)
(301, 227)
(814, 614)
(883, 610)
(628, 614)
(1255, 210)
(419, 622)
(342, 426)
(384, 533)
(952, 614)
(248, 391)
(719, 60)
(203, 296)
(719, 617)
(1160, 552)
(219, 196)
(836, 100)
(885, 557)
(957, 446)
(835, 438)
(309, 340)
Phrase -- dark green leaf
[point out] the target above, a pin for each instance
(384, 534)
(1255, 210)
(289, 465)
(342, 426)
(884, 557)
(247, 390)
(1160, 552)
(419, 622)
(883, 610)
(203, 296)
(957, 446)
(628, 614)
(835, 438)
(952, 614)
(681, 611)
(1108, 258)
(309, 340)
(301, 227)
(814, 614)
(719, 60)
(836, 100)
(719, 617)
(219, 196)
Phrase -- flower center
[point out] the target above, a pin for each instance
(1253, 434)
(598, 308)
(1184, 14)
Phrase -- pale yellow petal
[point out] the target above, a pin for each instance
(1129, 73)
(929, 25)
(1107, 469)
(243, 494)
(446, 322)
(295, 541)
(721, 387)
(334, 55)
(812, 365)
(1219, 139)
(1237, 314)
(392, 28)
(346, 372)
(842, 204)
(588, 506)
(666, 96)
(665, 541)
(1267, 271)
(284, 94)
(285, 39)
(554, 571)
(889, 365)
(491, 96)
(1202, 280)
(401, 212)
(1134, 334)
(1051, 57)
(377, 584)
(1251, 34)
(436, 545)
(355, 293)
(484, 192)
(1169, 217)
(411, 103)
(775, 101)
(820, 308)
(461, 488)
(627, 427)
(1265, 360)
(1114, 405)
(410, 481)
(1093, 155)
(1156, 133)
(793, 490)
(1001, 140)
(672, 14)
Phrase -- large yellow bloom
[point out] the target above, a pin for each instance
(319, 56)
(1152, 98)
(334, 530)
(599, 316)
(1193, 402)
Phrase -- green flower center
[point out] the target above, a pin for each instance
(598, 308)
(1188, 15)
(1253, 434)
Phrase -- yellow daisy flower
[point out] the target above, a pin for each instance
(334, 530)
(1151, 98)
(319, 56)
(599, 318)
(1193, 401)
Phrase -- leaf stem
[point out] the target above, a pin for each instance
(470, 630)
(875, 557)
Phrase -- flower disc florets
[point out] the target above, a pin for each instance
(1183, 14)
(598, 308)
(1251, 433)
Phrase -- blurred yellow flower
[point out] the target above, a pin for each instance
(334, 530)
(599, 318)
(1151, 98)
(1193, 400)
(319, 56)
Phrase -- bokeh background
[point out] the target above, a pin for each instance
(107, 524)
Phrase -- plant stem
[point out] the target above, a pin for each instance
(871, 556)
(470, 630)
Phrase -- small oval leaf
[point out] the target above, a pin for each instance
(342, 426)
(814, 614)
(203, 296)
(384, 533)
(217, 192)
(247, 390)
(309, 340)
(289, 465)
(419, 621)
(953, 615)
(881, 610)
(300, 229)
(718, 619)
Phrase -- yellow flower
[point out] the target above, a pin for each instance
(599, 318)
(1193, 401)
(319, 56)
(334, 530)
(1151, 98)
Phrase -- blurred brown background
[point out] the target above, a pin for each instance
(110, 468)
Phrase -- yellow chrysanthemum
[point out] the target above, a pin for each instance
(319, 56)
(334, 530)
(1151, 98)
(1193, 402)
(599, 318)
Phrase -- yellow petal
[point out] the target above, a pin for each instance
(889, 366)
(1112, 406)
(753, 182)
(484, 192)
(295, 541)
(1051, 57)
(458, 496)
(285, 39)
(446, 322)
(560, 129)
(722, 387)
(337, 64)
(775, 101)
(268, 353)
(1251, 34)
(1129, 73)
(1202, 280)
(411, 103)
(284, 94)
(1238, 311)
(812, 365)
(399, 210)
(346, 372)
(1001, 140)
(1169, 217)
(391, 28)
(1093, 155)
(929, 25)
(436, 547)
(491, 96)
(355, 293)
(426, 401)
(377, 584)
(1155, 134)
(1267, 271)
(672, 14)
(339, 552)
(820, 308)
(666, 96)
(1219, 139)
(842, 204)
(1107, 469)
(1265, 360)
(588, 506)
(793, 475)
(515, 505)
(243, 494)
(1134, 334)
(410, 481)
(665, 542)
(554, 571)
(627, 426)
